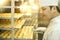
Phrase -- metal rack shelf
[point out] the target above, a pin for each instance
(14, 39)
(14, 16)
(20, 34)
(30, 22)
(17, 26)
(8, 15)
(5, 28)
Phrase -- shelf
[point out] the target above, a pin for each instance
(19, 34)
(17, 25)
(8, 15)
(14, 39)
(30, 22)
(40, 30)
(9, 28)
(5, 28)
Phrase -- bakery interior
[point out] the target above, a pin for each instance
(21, 20)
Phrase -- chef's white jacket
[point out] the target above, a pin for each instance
(53, 30)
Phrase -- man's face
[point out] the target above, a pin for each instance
(45, 13)
(45, 16)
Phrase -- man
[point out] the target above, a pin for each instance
(44, 16)
(53, 30)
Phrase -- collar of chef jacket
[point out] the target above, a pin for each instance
(55, 23)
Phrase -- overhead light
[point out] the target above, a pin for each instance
(16, 0)
(2, 1)
(31, 1)
(28, 14)
(35, 7)
(25, 8)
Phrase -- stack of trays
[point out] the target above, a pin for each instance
(7, 23)
(8, 15)
(25, 33)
